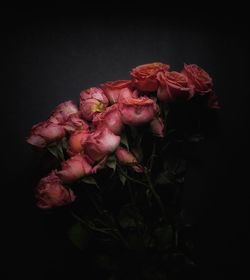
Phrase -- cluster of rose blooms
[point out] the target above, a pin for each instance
(93, 131)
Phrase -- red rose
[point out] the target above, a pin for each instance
(173, 86)
(157, 127)
(100, 143)
(51, 193)
(136, 111)
(74, 123)
(44, 133)
(74, 168)
(111, 117)
(128, 159)
(198, 78)
(92, 101)
(113, 89)
(62, 112)
(144, 76)
(76, 142)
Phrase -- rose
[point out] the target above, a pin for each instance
(113, 89)
(173, 86)
(74, 123)
(92, 101)
(128, 159)
(136, 111)
(198, 78)
(62, 112)
(144, 76)
(74, 168)
(111, 118)
(157, 127)
(51, 193)
(76, 142)
(44, 133)
(100, 143)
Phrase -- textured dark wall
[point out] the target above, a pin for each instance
(49, 59)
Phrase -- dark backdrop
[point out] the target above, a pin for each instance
(50, 58)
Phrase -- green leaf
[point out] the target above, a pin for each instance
(111, 162)
(53, 151)
(124, 140)
(60, 151)
(78, 235)
(90, 180)
(122, 178)
(64, 143)
(164, 236)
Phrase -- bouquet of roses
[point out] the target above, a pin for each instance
(120, 169)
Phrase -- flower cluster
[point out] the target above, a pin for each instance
(94, 130)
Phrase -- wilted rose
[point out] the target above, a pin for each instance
(136, 111)
(76, 142)
(92, 101)
(51, 193)
(157, 127)
(198, 78)
(62, 112)
(173, 86)
(100, 143)
(114, 88)
(74, 123)
(127, 158)
(44, 133)
(144, 76)
(111, 117)
(74, 168)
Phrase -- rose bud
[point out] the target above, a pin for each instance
(74, 168)
(51, 193)
(213, 102)
(198, 78)
(128, 159)
(113, 89)
(62, 112)
(74, 123)
(100, 143)
(111, 118)
(136, 111)
(76, 142)
(173, 86)
(92, 101)
(157, 127)
(144, 76)
(44, 133)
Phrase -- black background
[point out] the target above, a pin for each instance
(50, 57)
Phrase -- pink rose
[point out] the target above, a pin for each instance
(113, 89)
(62, 112)
(136, 111)
(157, 127)
(92, 102)
(74, 168)
(74, 123)
(144, 76)
(44, 133)
(173, 86)
(51, 193)
(100, 143)
(128, 159)
(76, 142)
(198, 78)
(111, 118)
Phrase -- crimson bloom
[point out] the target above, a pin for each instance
(62, 112)
(115, 88)
(76, 142)
(101, 142)
(74, 168)
(44, 133)
(92, 102)
(51, 193)
(144, 76)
